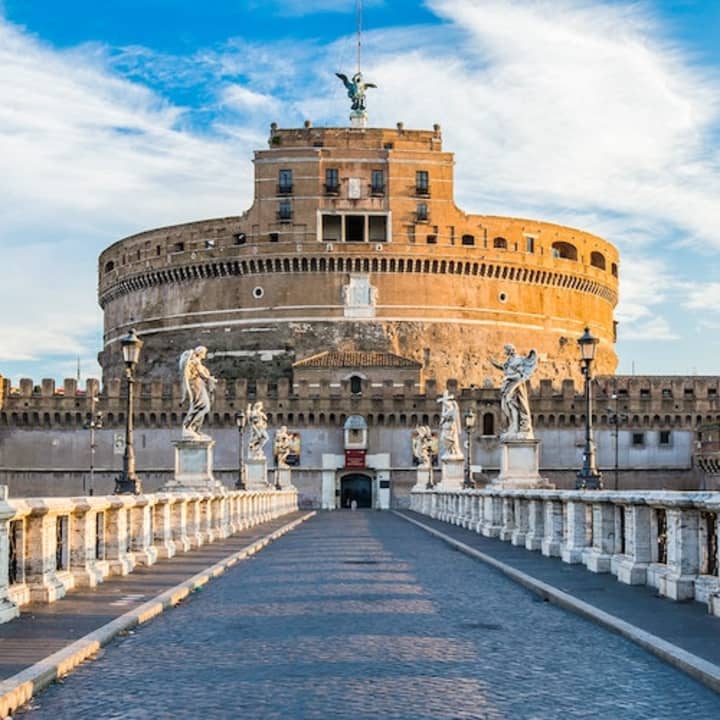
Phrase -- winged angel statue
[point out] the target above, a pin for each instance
(514, 402)
(356, 89)
(198, 386)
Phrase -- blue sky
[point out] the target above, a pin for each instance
(122, 116)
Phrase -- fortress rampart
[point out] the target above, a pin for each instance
(643, 401)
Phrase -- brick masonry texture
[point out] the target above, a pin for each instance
(361, 615)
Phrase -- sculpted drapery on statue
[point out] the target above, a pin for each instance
(198, 386)
(283, 445)
(257, 420)
(449, 428)
(514, 401)
(422, 445)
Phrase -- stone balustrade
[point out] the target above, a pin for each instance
(667, 540)
(50, 545)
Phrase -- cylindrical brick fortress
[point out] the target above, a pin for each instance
(354, 242)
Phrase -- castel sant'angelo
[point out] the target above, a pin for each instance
(354, 243)
(347, 298)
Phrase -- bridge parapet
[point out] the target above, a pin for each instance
(50, 545)
(667, 540)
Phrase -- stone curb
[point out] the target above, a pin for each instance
(706, 672)
(17, 690)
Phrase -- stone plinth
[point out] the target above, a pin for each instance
(452, 474)
(520, 465)
(284, 478)
(256, 477)
(193, 467)
(424, 478)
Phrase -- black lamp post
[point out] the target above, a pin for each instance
(588, 478)
(94, 423)
(241, 421)
(128, 482)
(470, 419)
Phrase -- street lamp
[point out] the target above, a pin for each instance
(241, 421)
(470, 419)
(588, 478)
(615, 418)
(94, 422)
(128, 482)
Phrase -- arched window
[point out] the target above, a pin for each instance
(355, 384)
(597, 259)
(500, 243)
(109, 266)
(468, 239)
(488, 424)
(614, 269)
(564, 250)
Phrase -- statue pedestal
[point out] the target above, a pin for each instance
(452, 474)
(193, 467)
(256, 475)
(520, 465)
(284, 478)
(424, 478)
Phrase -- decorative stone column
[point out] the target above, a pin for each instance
(598, 558)
(631, 566)
(180, 537)
(552, 526)
(8, 609)
(88, 570)
(508, 518)
(118, 536)
(683, 557)
(142, 544)
(42, 576)
(536, 518)
(492, 516)
(162, 525)
(521, 507)
(575, 540)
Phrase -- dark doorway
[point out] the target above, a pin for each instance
(354, 228)
(358, 488)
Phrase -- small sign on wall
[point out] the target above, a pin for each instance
(355, 459)
(118, 444)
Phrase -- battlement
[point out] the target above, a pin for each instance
(642, 401)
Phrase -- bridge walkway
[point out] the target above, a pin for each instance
(364, 615)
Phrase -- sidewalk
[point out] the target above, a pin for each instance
(683, 634)
(37, 644)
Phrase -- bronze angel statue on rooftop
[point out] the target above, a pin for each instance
(356, 89)
(514, 402)
(198, 386)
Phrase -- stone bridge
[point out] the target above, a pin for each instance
(360, 614)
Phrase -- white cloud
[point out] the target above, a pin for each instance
(571, 111)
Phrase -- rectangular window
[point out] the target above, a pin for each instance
(209, 244)
(665, 437)
(666, 394)
(688, 392)
(644, 393)
(529, 244)
(377, 182)
(712, 392)
(468, 240)
(422, 182)
(178, 247)
(285, 182)
(274, 237)
(332, 181)
(638, 439)
(422, 212)
(331, 228)
(431, 239)
(285, 210)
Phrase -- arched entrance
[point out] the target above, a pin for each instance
(356, 487)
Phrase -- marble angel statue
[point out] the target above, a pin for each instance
(198, 387)
(283, 446)
(449, 428)
(257, 420)
(514, 402)
(422, 446)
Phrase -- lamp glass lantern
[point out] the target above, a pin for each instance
(470, 419)
(240, 420)
(587, 344)
(131, 345)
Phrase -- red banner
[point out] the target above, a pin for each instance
(355, 459)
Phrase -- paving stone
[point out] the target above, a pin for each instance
(359, 615)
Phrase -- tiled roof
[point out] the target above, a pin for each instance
(356, 359)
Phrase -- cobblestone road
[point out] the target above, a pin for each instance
(362, 615)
